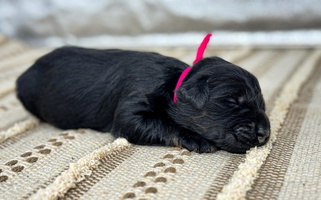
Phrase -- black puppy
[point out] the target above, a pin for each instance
(130, 94)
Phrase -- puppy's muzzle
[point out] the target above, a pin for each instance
(253, 134)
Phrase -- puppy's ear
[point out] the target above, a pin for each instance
(197, 93)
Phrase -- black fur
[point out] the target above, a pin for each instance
(130, 94)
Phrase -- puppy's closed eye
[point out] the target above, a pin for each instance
(235, 100)
(232, 100)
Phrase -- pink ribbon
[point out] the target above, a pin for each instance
(199, 56)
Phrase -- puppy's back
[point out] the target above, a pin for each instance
(65, 86)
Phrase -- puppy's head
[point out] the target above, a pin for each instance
(224, 104)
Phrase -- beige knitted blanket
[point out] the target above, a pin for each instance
(38, 161)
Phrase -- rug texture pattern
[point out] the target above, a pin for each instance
(39, 161)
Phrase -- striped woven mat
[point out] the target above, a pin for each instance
(38, 161)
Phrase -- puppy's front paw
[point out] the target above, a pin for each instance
(194, 142)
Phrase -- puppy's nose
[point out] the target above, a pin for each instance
(262, 135)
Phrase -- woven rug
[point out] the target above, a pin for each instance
(38, 161)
